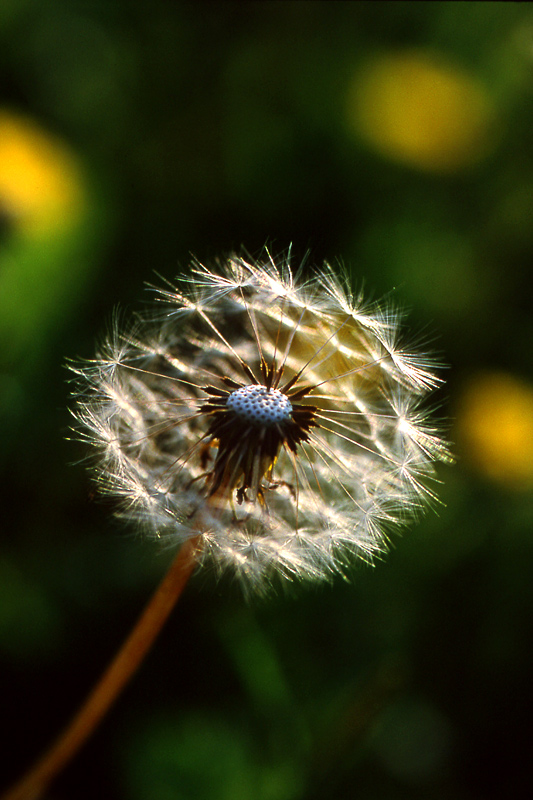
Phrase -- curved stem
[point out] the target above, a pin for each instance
(114, 679)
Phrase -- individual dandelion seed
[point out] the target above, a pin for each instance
(279, 420)
(271, 426)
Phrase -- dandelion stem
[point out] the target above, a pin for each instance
(127, 660)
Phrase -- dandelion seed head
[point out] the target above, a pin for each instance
(280, 419)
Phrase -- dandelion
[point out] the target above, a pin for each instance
(279, 420)
(274, 427)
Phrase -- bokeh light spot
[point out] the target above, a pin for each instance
(416, 109)
(495, 428)
(40, 187)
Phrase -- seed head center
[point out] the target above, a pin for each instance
(259, 405)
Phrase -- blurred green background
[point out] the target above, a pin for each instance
(397, 137)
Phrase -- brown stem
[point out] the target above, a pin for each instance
(114, 679)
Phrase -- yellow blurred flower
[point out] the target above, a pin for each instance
(45, 205)
(414, 108)
(40, 185)
(495, 428)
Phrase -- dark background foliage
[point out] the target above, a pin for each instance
(202, 128)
